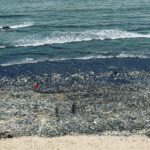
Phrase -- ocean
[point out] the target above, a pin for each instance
(58, 32)
(64, 30)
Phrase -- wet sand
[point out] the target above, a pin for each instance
(77, 143)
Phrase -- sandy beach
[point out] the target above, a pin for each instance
(77, 143)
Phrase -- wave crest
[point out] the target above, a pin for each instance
(17, 26)
(67, 37)
(24, 25)
(88, 57)
(24, 61)
(2, 46)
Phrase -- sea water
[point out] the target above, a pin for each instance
(58, 30)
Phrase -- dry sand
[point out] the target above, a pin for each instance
(77, 143)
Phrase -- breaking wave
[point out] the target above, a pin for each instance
(24, 61)
(100, 56)
(67, 37)
(17, 26)
(24, 25)
(122, 55)
(2, 46)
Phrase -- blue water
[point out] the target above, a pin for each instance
(56, 30)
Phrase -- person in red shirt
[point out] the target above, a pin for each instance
(36, 86)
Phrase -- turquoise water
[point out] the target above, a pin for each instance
(54, 30)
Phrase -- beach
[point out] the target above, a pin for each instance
(74, 74)
(106, 103)
(77, 143)
(90, 102)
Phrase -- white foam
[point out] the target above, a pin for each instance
(24, 25)
(24, 61)
(1, 47)
(100, 56)
(81, 58)
(17, 26)
(67, 37)
(124, 55)
(94, 57)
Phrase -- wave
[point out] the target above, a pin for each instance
(100, 56)
(24, 61)
(11, 16)
(24, 25)
(67, 37)
(2, 46)
(123, 55)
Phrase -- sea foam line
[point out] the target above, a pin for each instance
(32, 60)
(67, 37)
(2, 46)
(24, 61)
(23, 25)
